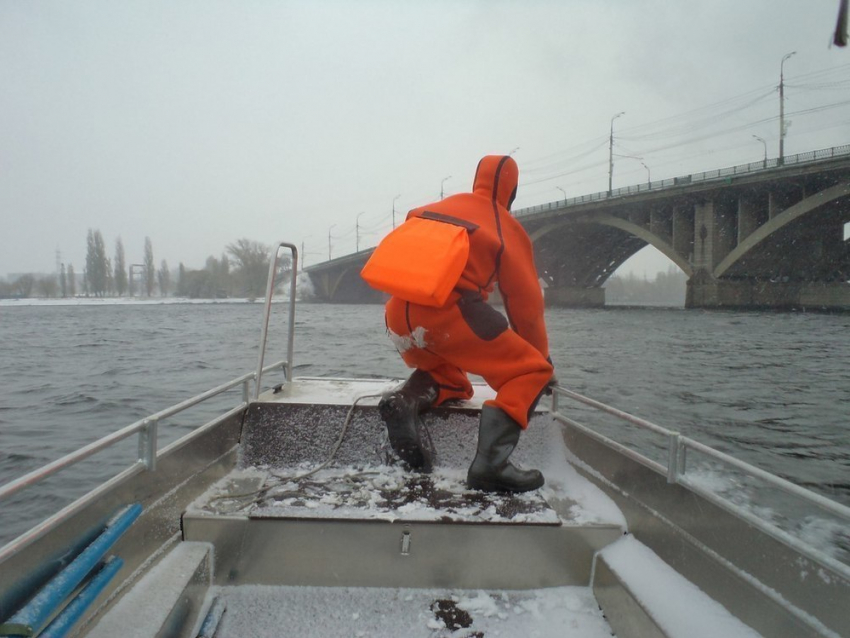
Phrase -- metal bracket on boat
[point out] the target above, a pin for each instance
(147, 443)
(675, 458)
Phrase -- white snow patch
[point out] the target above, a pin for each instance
(680, 608)
(403, 343)
(563, 482)
(266, 612)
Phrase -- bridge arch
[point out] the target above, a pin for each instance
(806, 206)
(636, 230)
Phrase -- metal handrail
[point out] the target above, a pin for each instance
(273, 264)
(684, 180)
(676, 460)
(146, 428)
(676, 473)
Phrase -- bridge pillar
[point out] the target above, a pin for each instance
(683, 231)
(716, 233)
(703, 291)
(575, 297)
(751, 215)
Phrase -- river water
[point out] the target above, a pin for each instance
(772, 389)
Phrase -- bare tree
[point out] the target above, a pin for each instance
(24, 285)
(164, 276)
(120, 268)
(150, 269)
(181, 280)
(47, 286)
(252, 261)
(97, 264)
(72, 281)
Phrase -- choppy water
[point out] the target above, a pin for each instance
(770, 388)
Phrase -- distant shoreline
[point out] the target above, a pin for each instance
(126, 301)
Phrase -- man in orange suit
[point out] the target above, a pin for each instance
(467, 335)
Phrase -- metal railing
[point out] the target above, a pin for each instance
(290, 341)
(675, 469)
(686, 180)
(147, 428)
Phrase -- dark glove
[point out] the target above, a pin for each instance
(553, 381)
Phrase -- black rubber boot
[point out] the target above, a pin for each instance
(400, 413)
(491, 471)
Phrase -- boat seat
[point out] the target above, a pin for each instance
(166, 601)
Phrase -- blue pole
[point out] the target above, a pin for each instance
(30, 618)
(210, 624)
(63, 623)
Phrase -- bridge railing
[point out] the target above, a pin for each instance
(720, 173)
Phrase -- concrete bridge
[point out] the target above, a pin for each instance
(761, 235)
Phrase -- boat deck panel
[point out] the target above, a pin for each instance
(279, 612)
(371, 492)
(381, 526)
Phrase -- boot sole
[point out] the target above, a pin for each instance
(492, 486)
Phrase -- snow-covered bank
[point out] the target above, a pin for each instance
(120, 301)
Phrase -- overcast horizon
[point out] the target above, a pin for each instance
(200, 122)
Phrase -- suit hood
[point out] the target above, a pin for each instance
(496, 179)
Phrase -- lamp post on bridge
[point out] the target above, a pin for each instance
(394, 198)
(648, 174)
(563, 191)
(303, 252)
(764, 161)
(639, 159)
(611, 153)
(782, 126)
(441, 185)
(329, 241)
(357, 232)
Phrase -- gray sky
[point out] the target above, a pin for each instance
(197, 123)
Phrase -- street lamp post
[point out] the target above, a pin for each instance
(648, 174)
(611, 153)
(782, 126)
(640, 159)
(764, 161)
(303, 253)
(441, 185)
(357, 232)
(329, 241)
(563, 191)
(394, 198)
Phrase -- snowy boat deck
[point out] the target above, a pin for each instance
(369, 492)
(279, 612)
(318, 531)
(317, 490)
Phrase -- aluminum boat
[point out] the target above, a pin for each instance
(287, 515)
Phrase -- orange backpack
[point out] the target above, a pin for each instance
(421, 260)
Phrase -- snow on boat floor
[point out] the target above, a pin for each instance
(325, 612)
(369, 492)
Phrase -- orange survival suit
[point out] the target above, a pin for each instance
(467, 335)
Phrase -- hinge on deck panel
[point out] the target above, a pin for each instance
(405, 542)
